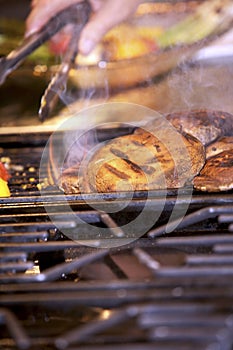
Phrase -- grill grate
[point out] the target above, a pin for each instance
(162, 291)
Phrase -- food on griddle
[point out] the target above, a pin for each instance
(223, 144)
(217, 174)
(143, 162)
(4, 177)
(206, 125)
(138, 162)
(159, 156)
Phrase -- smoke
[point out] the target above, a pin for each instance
(189, 87)
(88, 129)
(78, 90)
(79, 144)
(200, 85)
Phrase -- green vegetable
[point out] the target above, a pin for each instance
(210, 18)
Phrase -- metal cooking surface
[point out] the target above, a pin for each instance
(162, 291)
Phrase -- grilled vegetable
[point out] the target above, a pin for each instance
(211, 17)
(127, 41)
(4, 177)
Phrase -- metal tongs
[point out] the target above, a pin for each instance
(76, 14)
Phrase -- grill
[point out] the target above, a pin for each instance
(161, 291)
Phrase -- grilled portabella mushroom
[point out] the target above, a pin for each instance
(162, 157)
(223, 144)
(4, 177)
(217, 174)
(206, 125)
(144, 162)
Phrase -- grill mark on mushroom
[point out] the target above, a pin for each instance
(148, 169)
(119, 153)
(133, 166)
(116, 172)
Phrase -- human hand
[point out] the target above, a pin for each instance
(106, 14)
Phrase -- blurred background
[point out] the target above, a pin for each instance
(15, 9)
(202, 81)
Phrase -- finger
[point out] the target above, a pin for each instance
(42, 11)
(33, 3)
(110, 14)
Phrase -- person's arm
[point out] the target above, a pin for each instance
(106, 14)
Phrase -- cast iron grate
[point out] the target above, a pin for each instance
(156, 292)
(162, 291)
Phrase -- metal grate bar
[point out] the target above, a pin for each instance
(201, 241)
(223, 248)
(19, 267)
(148, 346)
(39, 246)
(57, 271)
(148, 320)
(196, 272)
(225, 218)
(213, 259)
(191, 219)
(146, 259)
(18, 334)
(167, 300)
(83, 334)
(113, 286)
(23, 237)
(18, 256)
(110, 223)
(36, 225)
(193, 334)
(87, 215)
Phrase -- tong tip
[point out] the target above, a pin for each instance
(3, 70)
(44, 111)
